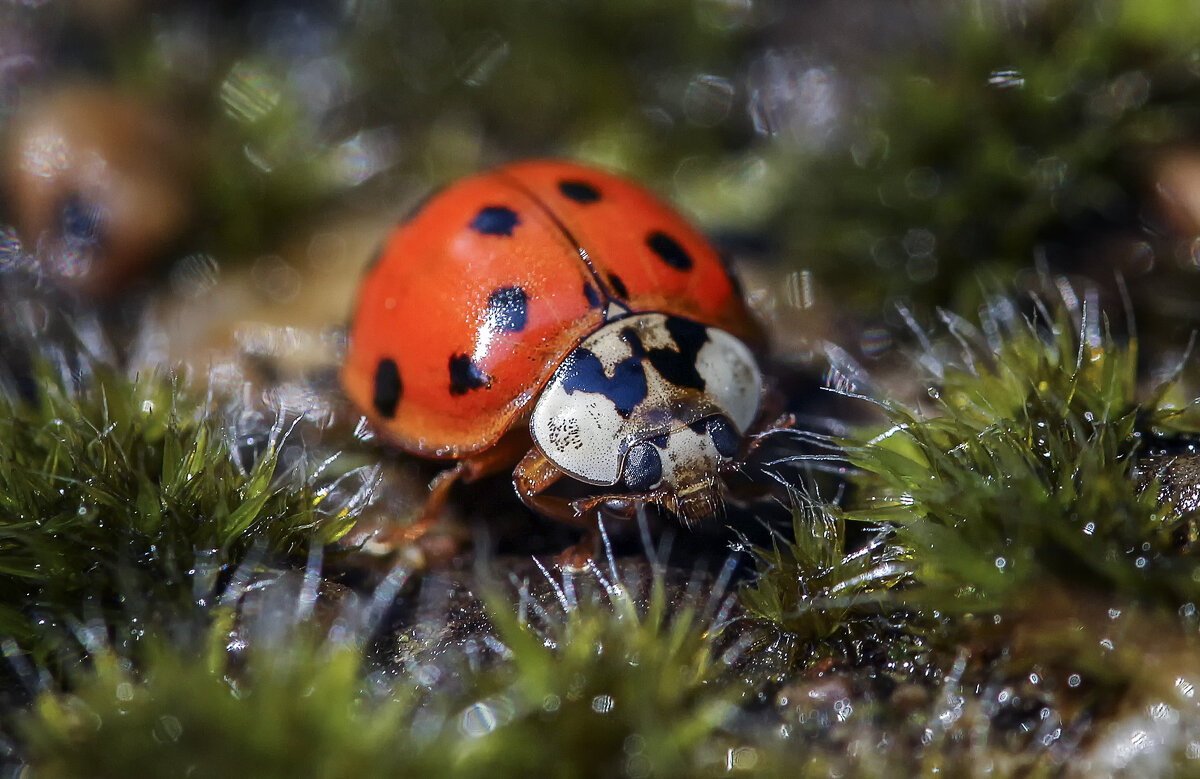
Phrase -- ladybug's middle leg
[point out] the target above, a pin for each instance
(488, 462)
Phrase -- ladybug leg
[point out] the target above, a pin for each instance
(491, 461)
(389, 540)
(435, 504)
(535, 474)
(763, 429)
(772, 416)
(532, 477)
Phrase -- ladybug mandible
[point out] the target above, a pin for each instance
(562, 319)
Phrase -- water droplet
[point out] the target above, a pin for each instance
(725, 14)
(1006, 78)
(11, 250)
(919, 241)
(922, 183)
(249, 92)
(707, 100)
(168, 729)
(46, 155)
(194, 275)
(741, 759)
(1195, 253)
(1050, 173)
(486, 51)
(875, 341)
(362, 156)
(799, 289)
(478, 720)
(922, 268)
(602, 704)
(794, 101)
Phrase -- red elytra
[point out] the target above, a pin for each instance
(476, 298)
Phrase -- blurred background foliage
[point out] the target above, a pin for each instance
(921, 144)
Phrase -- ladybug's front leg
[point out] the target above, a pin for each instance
(535, 474)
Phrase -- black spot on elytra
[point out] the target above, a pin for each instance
(495, 220)
(388, 388)
(465, 375)
(669, 250)
(643, 467)
(579, 191)
(589, 292)
(508, 309)
(618, 286)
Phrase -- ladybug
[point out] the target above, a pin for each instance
(561, 319)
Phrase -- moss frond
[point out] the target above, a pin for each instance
(822, 596)
(124, 499)
(1021, 472)
(596, 679)
(600, 686)
(306, 711)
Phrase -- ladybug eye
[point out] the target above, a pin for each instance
(643, 467)
(723, 436)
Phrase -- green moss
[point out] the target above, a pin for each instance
(600, 687)
(823, 598)
(1020, 471)
(1017, 134)
(123, 501)
(611, 687)
(302, 712)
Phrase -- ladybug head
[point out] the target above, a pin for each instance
(654, 404)
(679, 469)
